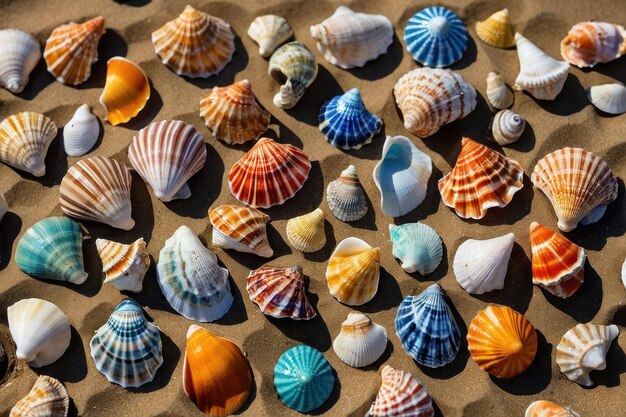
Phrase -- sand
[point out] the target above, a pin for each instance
(458, 389)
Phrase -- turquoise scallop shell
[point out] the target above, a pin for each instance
(418, 247)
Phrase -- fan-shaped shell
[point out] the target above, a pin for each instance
(81, 133)
(506, 127)
(481, 178)
(345, 196)
(47, 398)
(307, 233)
(579, 184)
(497, 30)
(400, 395)
(498, 94)
(124, 266)
(591, 43)
(417, 246)
(166, 154)
(610, 98)
(243, 229)
(126, 90)
(361, 342)
(295, 68)
(269, 32)
(19, 55)
(544, 408)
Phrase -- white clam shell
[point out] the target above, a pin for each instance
(81, 133)
(624, 273)
(19, 55)
(361, 341)
(345, 196)
(507, 127)
(610, 98)
(498, 94)
(269, 32)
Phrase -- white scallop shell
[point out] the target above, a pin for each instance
(81, 132)
(507, 127)
(498, 94)
(269, 32)
(610, 98)
(345, 196)
(361, 341)
(19, 55)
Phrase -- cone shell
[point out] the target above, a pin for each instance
(583, 349)
(400, 395)
(125, 92)
(506, 127)
(502, 341)
(481, 178)
(353, 271)
(166, 154)
(610, 98)
(345, 196)
(240, 228)
(497, 30)
(544, 408)
(233, 114)
(579, 184)
(417, 246)
(361, 342)
(269, 32)
(47, 397)
(98, 189)
(81, 133)
(71, 49)
(498, 94)
(293, 65)
(19, 55)
(591, 43)
(306, 233)
(124, 266)
(216, 374)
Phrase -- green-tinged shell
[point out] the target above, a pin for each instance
(418, 247)
(294, 66)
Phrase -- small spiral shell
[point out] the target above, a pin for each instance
(507, 127)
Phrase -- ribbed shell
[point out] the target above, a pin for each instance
(306, 233)
(610, 98)
(269, 32)
(417, 246)
(361, 342)
(345, 196)
(81, 133)
(166, 154)
(401, 395)
(591, 43)
(19, 55)
(124, 266)
(243, 229)
(126, 90)
(98, 189)
(544, 408)
(498, 94)
(506, 127)
(481, 178)
(47, 398)
(295, 68)
(497, 30)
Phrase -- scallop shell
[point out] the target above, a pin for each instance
(506, 127)
(610, 98)
(40, 330)
(268, 174)
(306, 233)
(81, 133)
(502, 341)
(47, 397)
(401, 395)
(24, 141)
(418, 246)
(280, 292)
(124, 266)
(127, 349)
(481, 178)
(345, 196)
(191, 279)
(436, 37)
(243, 229)
(583, 349)
(539, 74)
(19, 55)
(497, 30)
(269, 32)
(71, 49)
(166, 154)
(294, 67)
(349, 39)
(232, 113)
(126, 90)
(498, 94)
(98, 189)
(195, 44)
(430, 98)
(579, 184)
(591, 43)
(353, 271)
(544, 408)
(361, 342)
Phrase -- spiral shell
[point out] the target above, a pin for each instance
(507, 127)
(269, 32)
(295, 68)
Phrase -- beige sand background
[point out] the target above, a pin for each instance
(460, 388)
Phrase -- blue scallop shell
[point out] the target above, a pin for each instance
(436, 37)
(418, 246)
(346, 123)
(303, 378)
(427, 329)
(52, 249)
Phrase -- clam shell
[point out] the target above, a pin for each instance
(47, 397)
(543, 408)
(498, 94)
(81, 133)
(497, 30)
(243, 229)
(624, 273)
(295, 68)
(269, 32)
(306, 233)
(361, 342)
(400, 395)
(610, 98)
(126, 90)
(345, 196)
(19, 55)
(124, 266)
(506, 127)
(417, 246)
(591, 43)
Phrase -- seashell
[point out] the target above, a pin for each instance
(498, 94)
(361, 342)
(591, 43)
(294, 67)
(427, 329)
(306, 233)
(481, 178)
(303, 378)
(353, 271)
(624, 273)
(401, 395)
(544, 408)
(268, 174)
(269, 32)
(579, 184)
(191, 279)
(127, 349)
(98, 189)
(124, 266)
(47, 397)
(24, 141)
(430, 98)
(418, 246)
(557, 263)
(71, 49)
(401, 176)
(348, 39)
(436, 37)
(583, 349)
(19, 53)
(502, 341)
(243, 229)
(610, 98)
(345, 196)
(232, 113)
(216, 373)
(497, 30)
(346, 123)
(540, 74)
(81, 133)
(4, 207)
(280, 292)
(166, 154)
(126, 90)
(52, 248)
(506, 127)
(40, 330)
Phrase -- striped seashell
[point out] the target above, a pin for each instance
(126, 90)
(481, 178)
(497, 30)
(345, 196)
(81, 133)
(268, 174)
(127, 348)
(579, 184)
(361, 342)
(498, 94)
(591, 43)
(24, 141)
(418, 246)
(349, 39)
(543, 408)
(98, 189)
(243, 229)
(19, 55)
(47, 398)
(295, 68)
(166, 154)
(401, 395)
(71, 49)
(232, 113)
(269, 32)
(353, 271)
(430, 98)
(124, 266)
(610, 98)
(306, 233)
(280, 292)
(506, 127)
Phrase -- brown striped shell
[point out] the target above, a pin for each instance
(243, 229)
(401, 394)
(124, 266)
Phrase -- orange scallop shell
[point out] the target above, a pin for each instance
(543, 408)
(125, 92)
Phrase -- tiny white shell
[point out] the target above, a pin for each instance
(81, 132)
(498, 94)
(507, 127)
(610, 98)
(269, 32)
(361, 341)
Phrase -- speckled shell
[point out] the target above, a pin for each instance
(81, 133)
(295, 68)
(418, 246)
(124, 266)
(19, 55)
(345, 196)
(306, 233)
(401, 395)
(243, 229)
(497, 30)
(361, 342)
(47, 398)
(591, 43)
(610, 98)
(498, 94)
(126, 90)
(269, 32)
(544, 408)
(506, 127)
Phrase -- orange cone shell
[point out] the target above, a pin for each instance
(126, 90)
